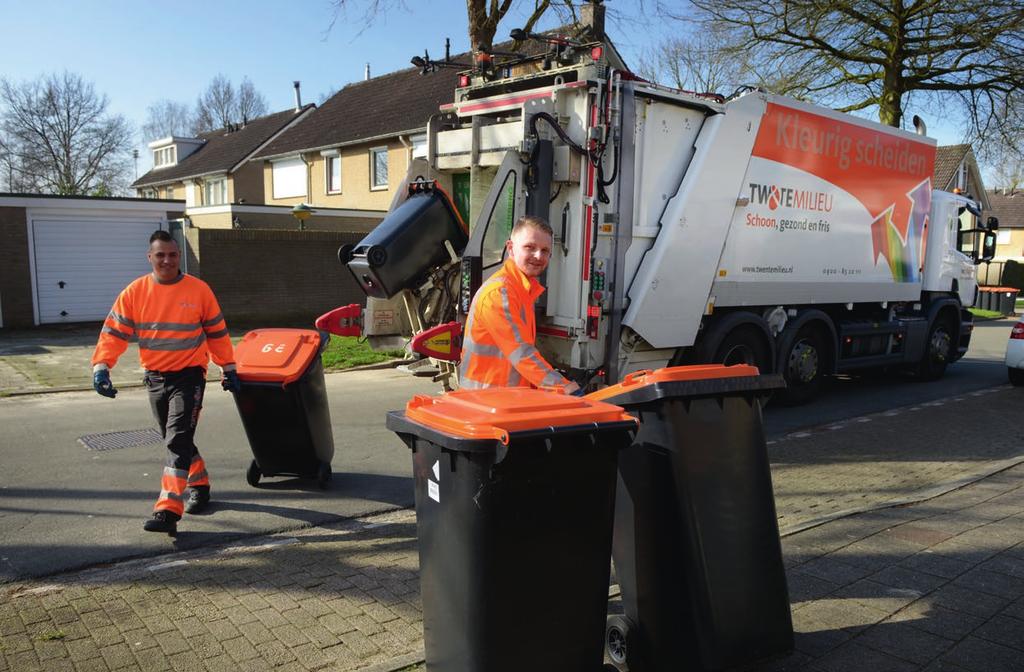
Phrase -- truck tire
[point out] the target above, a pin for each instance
(938, 350)
(1016, 376)
(744, 345)
(804, 366)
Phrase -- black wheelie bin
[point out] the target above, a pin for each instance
(283, 404)
(515, 491)
(696, 549)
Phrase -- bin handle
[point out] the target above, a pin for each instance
(636, 377)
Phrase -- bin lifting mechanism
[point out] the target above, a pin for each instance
(342, 321)
(443, 342)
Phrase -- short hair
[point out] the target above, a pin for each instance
(162, 236)
(532, 221)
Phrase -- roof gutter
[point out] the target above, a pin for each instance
(347, 143)
(220, 171)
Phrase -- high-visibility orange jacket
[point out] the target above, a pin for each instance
(498, 344)
(177, 324)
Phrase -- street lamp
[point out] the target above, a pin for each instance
(302, 212)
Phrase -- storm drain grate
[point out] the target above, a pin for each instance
(131, 438)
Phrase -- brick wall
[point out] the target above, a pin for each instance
(15, 275)
(276, 278)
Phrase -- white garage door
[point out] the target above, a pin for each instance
(82, 263)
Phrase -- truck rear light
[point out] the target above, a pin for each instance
(463, 81)
(1018, 331)
(596, 53)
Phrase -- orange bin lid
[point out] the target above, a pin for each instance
(673, 374)
(496, 412)
(276, 355)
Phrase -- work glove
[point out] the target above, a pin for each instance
(230, 381)
(101, 383)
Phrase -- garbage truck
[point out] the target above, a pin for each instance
(688, 228)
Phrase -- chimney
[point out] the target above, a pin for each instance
(592, 18)
(298, 96)
(367, 75)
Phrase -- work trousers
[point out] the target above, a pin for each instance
(176, 398)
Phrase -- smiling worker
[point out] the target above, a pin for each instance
(498, 347)
(178, 324)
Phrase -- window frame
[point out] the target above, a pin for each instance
(374, 185)
(171, 156)
(223, 190)
(328, 174)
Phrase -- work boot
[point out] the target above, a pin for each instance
(163, 521)
(197, 499)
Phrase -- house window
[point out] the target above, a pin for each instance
(288, 177)
(332, 164)
(165, 157)
(149, 193)
(419, 146)
(379, 168)
(215, 191)
(170, 192)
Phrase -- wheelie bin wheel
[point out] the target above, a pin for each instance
(323, 475)
(619, 641)
(253, 473)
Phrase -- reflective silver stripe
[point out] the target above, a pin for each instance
(176, 473)
(197, 476)
(470, 384)
(514, 378)
(122, 319)
(168, 326)
(508, 314)
(220, 333)
(172, 343)
(164, 494)
(522, 352)
(115, 333)
(474, 348)
(553, 379)
(213, 320)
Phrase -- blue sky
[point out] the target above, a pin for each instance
(138, 52)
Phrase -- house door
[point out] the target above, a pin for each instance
(81, 263)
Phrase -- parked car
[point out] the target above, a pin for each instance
(1015, 355)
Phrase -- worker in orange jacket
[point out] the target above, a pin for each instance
(498, 344)
(178, 324)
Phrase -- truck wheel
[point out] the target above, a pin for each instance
(938, 351)
(744, 345)
(620, 642)
(803, 367)
(1016, 376)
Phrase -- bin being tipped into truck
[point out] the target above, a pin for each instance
(688, 228)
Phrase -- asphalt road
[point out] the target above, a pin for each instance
(852, 396)
(63, 506)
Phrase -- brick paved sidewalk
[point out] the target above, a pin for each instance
(896, 588)
(934, 586)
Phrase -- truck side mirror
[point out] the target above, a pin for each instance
(992, 223)
(988, 246)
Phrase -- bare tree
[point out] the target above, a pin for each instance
(58, 137)
(165, 118)
(221, 104)
(483, 15)
(251, 103)
(217, 106)
(865, 53)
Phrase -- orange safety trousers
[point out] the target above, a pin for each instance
(176, 398)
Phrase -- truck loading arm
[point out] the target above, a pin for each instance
(670, 291)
